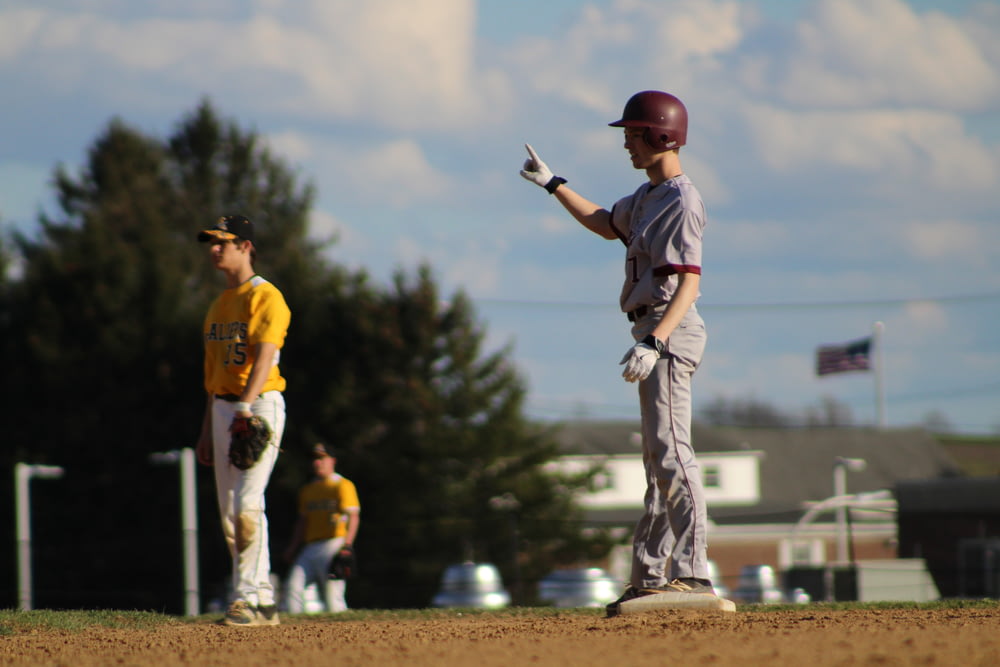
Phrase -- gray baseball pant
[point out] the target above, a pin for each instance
(670, 539)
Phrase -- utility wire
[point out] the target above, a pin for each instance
(957, 298)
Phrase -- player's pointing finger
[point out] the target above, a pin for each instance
(532, 153)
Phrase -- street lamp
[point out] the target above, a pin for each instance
(189, 521)
(841, 465)
(23, 473)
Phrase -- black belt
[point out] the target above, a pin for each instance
(231, 398)
(633, 315)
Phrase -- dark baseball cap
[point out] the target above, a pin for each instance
(320, 450)
(227, 228)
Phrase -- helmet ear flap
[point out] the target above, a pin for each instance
(656, 138)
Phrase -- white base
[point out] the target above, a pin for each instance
(675, 601)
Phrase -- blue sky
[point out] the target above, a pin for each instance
(848, 152)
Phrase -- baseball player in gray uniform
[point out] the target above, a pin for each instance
(661, 226)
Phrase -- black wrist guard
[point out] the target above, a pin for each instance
(554, 183)
(654, 343)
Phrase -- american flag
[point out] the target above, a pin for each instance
(852, 356)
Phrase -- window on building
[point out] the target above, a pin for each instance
(802, 551)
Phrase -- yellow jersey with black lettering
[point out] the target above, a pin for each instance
(237, 322)
(325, 504)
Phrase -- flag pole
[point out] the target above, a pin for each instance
(877, 330)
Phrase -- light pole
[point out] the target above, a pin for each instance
(23, 473)
(841, 465)
(189, 522)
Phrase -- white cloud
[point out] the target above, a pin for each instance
(698, 28)
(472, 265)
(928, 318)
(292, 146)
(17, 30)
(857, 53)
(706, 178)
(953, 241)
(396, 173)
(911, 146)
(325, 227)
(401, 64)
(628, 45)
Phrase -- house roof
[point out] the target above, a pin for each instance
(797, 464)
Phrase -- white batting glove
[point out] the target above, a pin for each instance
(539, 173)
(641, 358)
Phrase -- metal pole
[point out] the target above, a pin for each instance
(841, 464)
(189, 507)
(189, 522)
(880, 412)
(23, 473)
(21, 476)
(840, 490)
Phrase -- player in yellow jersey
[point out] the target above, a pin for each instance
(329, 516)
(244, 332)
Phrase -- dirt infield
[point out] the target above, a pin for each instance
(808, 636)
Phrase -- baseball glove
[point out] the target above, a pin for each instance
(250, 435)
(344, 565)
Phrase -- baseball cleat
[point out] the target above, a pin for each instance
(680, 586)
(240, 614)
(268, 615)
(614, 608)
(679, 593)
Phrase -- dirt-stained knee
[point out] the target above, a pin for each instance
(246, 528)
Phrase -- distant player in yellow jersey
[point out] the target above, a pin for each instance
(329, 516)
(244, 332)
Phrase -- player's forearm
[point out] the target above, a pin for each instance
(258, 374)
(680, 303)
(587, 213)
(353, 522)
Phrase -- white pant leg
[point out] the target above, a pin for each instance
(332, 590)
(335, 600)
(295, 587)
(241, 499)
(312, 566)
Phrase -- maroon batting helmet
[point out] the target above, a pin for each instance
(663, 116)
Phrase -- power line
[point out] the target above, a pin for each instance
(956, 298)
(985, 389)
(960, 298)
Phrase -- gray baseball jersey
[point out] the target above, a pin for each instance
(662, 229)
